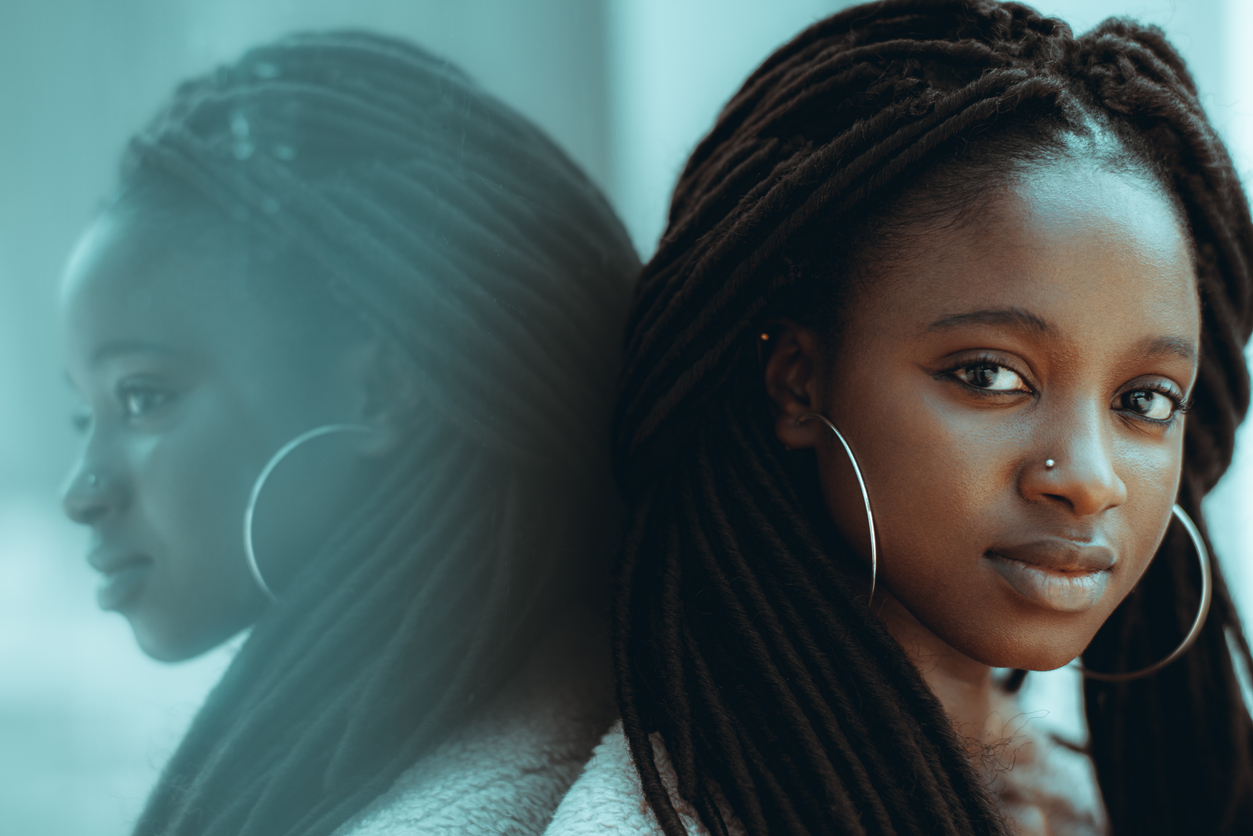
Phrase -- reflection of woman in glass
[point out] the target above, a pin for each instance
(997, 262)
(344, 293)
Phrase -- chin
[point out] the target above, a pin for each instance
(1046, 659)
(158, 650)
(175, 629)
(161, 652)
(1046, 652)
(167, 646)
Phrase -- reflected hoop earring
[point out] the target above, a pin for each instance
(865, 495)
(250, 510)
(1207, 595)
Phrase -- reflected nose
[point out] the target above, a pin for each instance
(90, 496)
(1082, 475)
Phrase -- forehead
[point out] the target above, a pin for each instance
(154, 257)
(1090, 250)
(134, 278)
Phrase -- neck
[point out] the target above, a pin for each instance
(980, 712)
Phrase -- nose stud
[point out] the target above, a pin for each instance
(1049, 464)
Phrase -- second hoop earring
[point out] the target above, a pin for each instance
(250, 510)
(1207, 595)
(865, 495)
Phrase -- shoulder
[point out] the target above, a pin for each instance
(608, 798)
(505, 774)
(488, 784)
(458, 793)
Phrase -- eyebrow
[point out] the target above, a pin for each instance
(1019, 318)
(1163, 346)
(130, 347)
(1011, 317)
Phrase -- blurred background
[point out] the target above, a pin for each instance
(626, 86)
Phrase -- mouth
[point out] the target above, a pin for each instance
(1056, 574)
(123, 580)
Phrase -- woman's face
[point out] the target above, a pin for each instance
(1061, 325)
(189, 388)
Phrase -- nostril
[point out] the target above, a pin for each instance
(90, 515)
(1061, 499)
(88, 499)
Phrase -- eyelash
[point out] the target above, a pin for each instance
(83, 418)
(127, 390)
(983, 361)
(1181, 405)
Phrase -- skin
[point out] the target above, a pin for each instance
(190, 385)
(1054, 326)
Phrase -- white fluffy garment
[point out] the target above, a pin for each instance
(608, 799)
(506, 771)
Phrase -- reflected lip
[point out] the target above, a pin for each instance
(124, 576)
(1056, 573)
(109, 562)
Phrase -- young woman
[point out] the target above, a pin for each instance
(904, 401)
(347, 337)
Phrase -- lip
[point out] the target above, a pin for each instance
(124, 577)
(1056, 573)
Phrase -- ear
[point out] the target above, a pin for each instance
(793, 378)
(383, 396)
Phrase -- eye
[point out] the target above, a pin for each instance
(990, 377)
(139, 399)
(1150, 404)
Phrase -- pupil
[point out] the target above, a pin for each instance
(1140, 401)
(983, 376)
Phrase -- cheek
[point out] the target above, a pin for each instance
(192, 487)
(190, 490)
(936, 475)
(932, 472)
(1151, 473)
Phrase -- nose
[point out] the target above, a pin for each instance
(1082, 475)
(90, 496)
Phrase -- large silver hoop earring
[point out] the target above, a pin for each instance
(1207, 594)
(250, 511)
(865, 495)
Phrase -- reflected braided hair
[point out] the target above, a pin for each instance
(499, 277)
(739, 636)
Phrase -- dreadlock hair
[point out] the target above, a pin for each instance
(739, 635)
(498, 277)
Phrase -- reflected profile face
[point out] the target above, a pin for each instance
(1013, 393)
(188, 388)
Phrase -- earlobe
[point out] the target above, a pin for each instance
(383, 396)
(791, 361)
